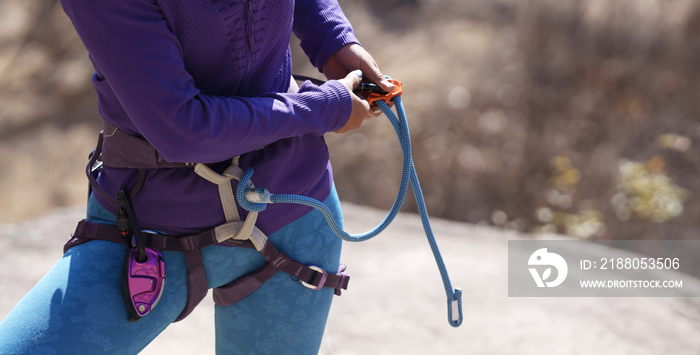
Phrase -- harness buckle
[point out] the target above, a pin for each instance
(323, 278)
(188, 243)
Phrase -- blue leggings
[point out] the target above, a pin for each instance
(77, 308)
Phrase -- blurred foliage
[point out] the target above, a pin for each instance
(568, 116)
(528, 114)
(647, 192)
(586, 223)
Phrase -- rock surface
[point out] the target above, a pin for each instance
(405, 313)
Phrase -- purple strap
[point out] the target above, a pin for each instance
(303, 272)
(196, 279)
(240, 288)
(86, 231)
(197, 287)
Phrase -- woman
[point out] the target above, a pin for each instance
(205, 81)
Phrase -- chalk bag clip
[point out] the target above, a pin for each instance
(143, 271)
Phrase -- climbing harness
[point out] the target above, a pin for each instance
(256, 200)
(117, 149)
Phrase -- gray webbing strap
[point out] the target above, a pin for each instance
(228, 201)
(239, 230)
(234, 228)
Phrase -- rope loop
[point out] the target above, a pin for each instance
(240, 193)
(408, 176)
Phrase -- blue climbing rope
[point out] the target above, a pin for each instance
(261, 197)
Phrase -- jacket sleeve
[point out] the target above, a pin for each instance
(322, 28)
(140, 60)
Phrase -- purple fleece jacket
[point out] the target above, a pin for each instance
(205, 81)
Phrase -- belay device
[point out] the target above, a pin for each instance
(143, 272)
(255, 200)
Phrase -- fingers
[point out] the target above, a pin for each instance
(371, 69)
(361, 109)
(356, 78)
(366, 109)
(352, 80)
(375, 111)
(354, 56)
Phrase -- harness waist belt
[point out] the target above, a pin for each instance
(123, 150)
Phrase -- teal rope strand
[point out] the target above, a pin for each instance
(400, 124)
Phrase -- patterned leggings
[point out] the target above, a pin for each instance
(77, 308)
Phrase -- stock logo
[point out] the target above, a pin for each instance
(542, 258)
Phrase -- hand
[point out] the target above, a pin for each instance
(360, 106)
(352, 57)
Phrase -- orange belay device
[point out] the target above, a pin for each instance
(373, 92)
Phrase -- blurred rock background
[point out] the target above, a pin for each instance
(569, 116)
